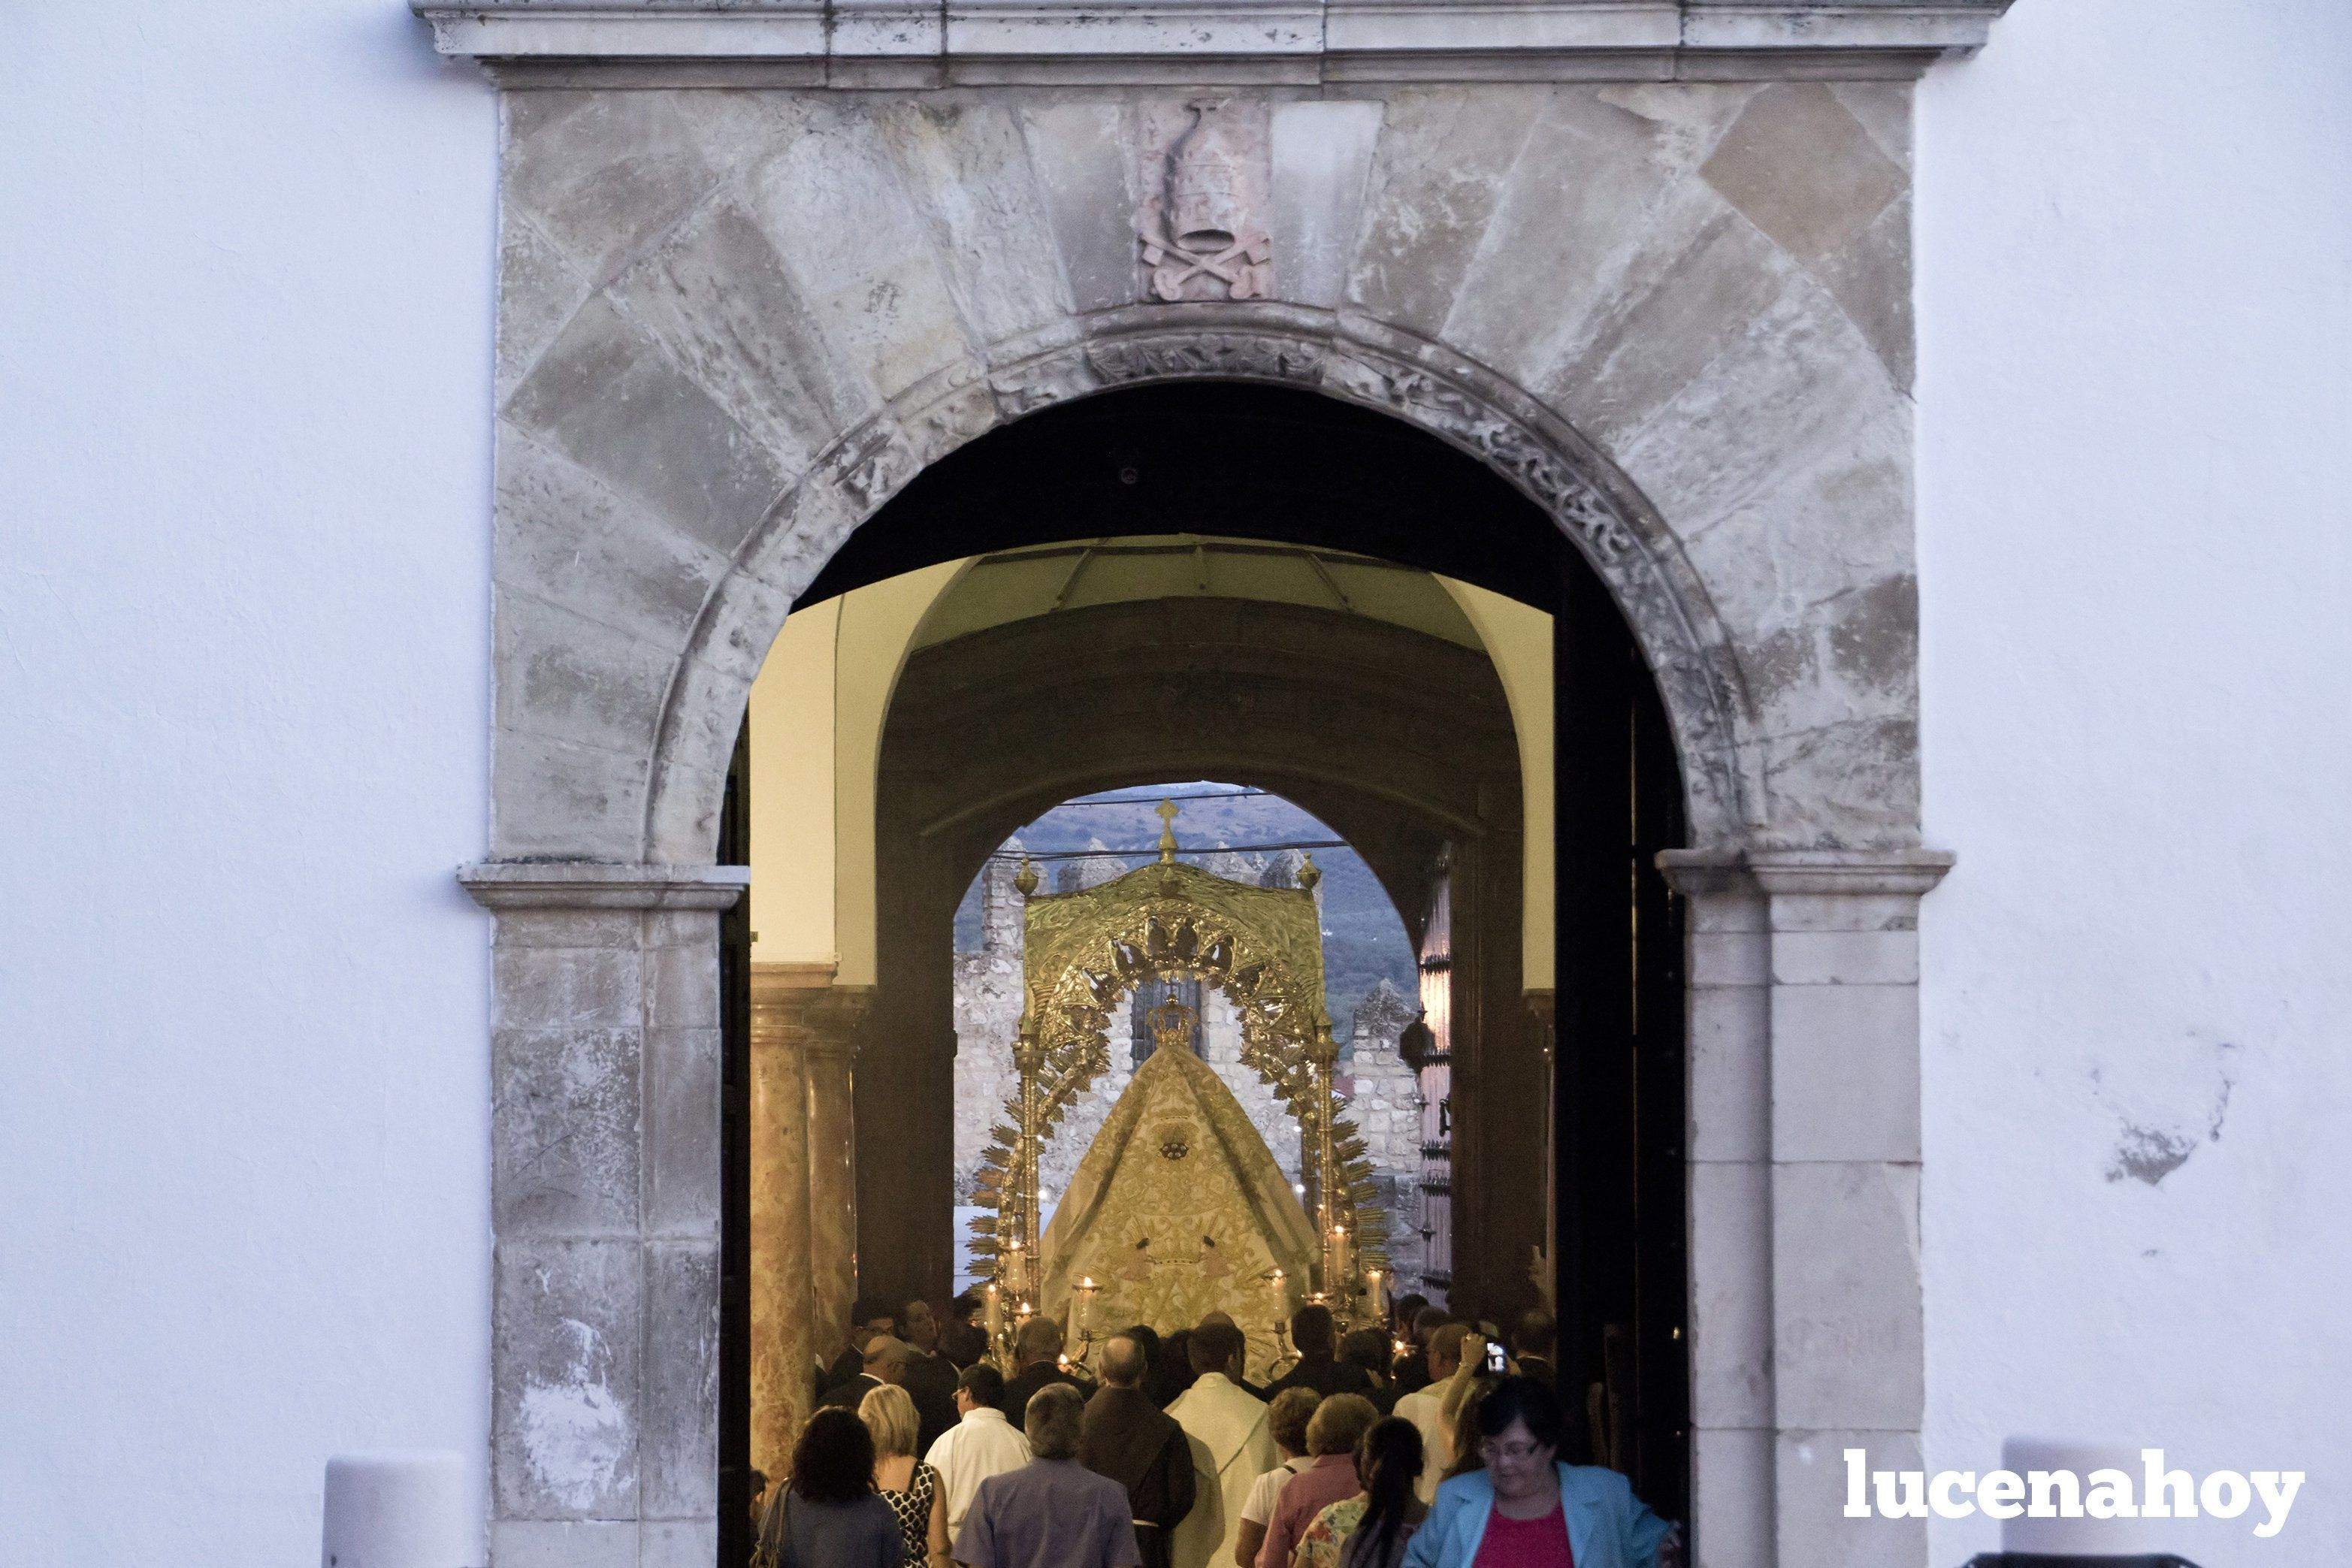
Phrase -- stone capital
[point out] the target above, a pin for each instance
(1851, 873)
(594, 884)
(1698, 874)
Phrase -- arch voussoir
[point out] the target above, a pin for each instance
(1350, 358)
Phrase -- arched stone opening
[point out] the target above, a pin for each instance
(592, 813)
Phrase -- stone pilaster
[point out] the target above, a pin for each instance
(1806, 1321)
(604, 1208)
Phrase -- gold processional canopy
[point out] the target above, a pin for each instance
(1178, 1207)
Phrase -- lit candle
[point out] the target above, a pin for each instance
(1377, 1306)
(1086, 1289)
(1338, 1281)
(996, 1316)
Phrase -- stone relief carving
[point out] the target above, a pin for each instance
(1206, 175)
(1198, 353)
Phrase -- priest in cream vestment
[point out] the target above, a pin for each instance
(1225, 1426)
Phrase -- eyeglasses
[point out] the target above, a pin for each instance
(1512, 1453)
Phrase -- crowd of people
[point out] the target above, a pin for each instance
(1429, 1445)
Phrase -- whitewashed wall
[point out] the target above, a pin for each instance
(243, 643)
(246, 263)
(2135, 242)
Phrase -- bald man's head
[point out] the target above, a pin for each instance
(1123, 1362)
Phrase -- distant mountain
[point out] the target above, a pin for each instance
(1363, 936)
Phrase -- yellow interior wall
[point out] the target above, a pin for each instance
(1519, 639)
(793, 826)
(877, 629)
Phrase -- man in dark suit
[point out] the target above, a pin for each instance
(886, 1362)
(1533, 1341)
(1039, 1346)
(870, 1321)
(930, 1378)
(1318, 1369)
(962, 1340)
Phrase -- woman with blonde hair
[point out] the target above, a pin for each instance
(909, 1486)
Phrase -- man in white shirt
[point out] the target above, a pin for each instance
(1225, 1426)
(982, 1443)
(1425, 1408)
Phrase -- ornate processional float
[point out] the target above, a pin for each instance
(1178, 1207)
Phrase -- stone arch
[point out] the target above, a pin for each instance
(1421, 382)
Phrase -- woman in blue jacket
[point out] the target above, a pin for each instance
(1526, 1509)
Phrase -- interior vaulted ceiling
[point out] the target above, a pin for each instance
(1017, 585)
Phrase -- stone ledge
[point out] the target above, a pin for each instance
(928, 43)
(584, 885)
(1832, 873)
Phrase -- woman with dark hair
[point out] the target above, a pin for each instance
(1526, 1509)
(827, 1515)
(1371, 1529)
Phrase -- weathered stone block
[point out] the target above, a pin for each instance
(1845, 958)
(565, 1356)
(682, 977)
(678, 1543)
(1085, 167)
(1729, 959)
(1870, 276)
(1731, 1495)
(554, 797)
(1731, 1072)
(608, 397)
(539, 289)
(1731, 1319)
(1845, 1072)
(567, 929)
(681, 1122)
(544, 988)
(1321, 157)
(1855, 783)
(1601, 193)
(832, 202)
(681, 1383)
(567, 539)
(1848, 1333)
(1792, 391)
(717, 294)
(1667, 322)
(568, 1543)
(684, 828)
(570, 678)
(970, 171)
(601, 173)
(565, 1130)
(1443, 160)
(1804, 170)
